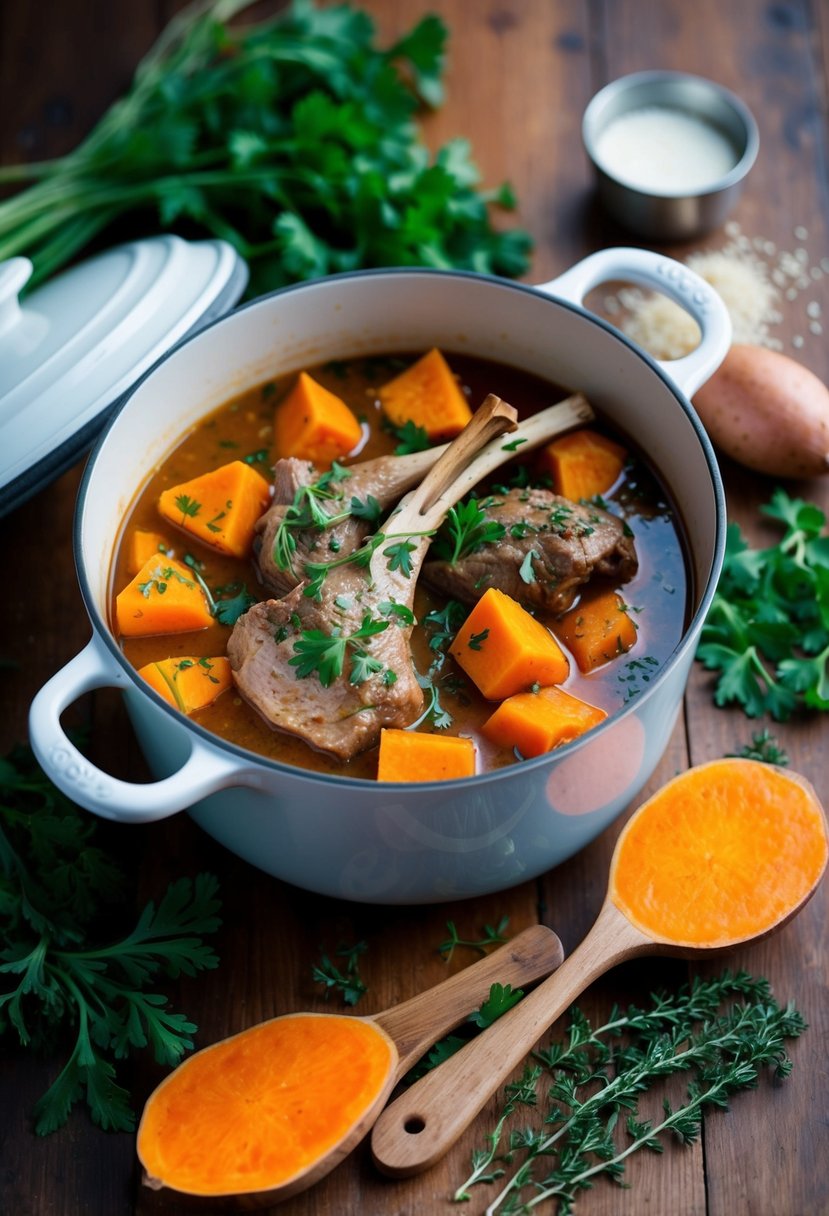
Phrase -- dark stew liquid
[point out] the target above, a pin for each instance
(243, 429)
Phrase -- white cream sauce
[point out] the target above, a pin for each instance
(664, 151)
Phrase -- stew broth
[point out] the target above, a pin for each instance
(243, 430)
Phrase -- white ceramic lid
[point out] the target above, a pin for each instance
(74, 346)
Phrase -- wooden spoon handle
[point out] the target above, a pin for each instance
(420, 1126)
(418, 1023)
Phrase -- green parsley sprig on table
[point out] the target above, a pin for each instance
(767, 631)
(56, 980)
(293, 138)
(719, 1033)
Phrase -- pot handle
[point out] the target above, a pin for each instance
(671, 278)
(204, 772)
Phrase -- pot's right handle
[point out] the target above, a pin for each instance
(671, 278)
(204, 772)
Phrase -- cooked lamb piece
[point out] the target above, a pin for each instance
(342, 711)
(569, 543)
(386, 479)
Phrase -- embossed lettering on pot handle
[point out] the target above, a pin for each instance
(204, 772)
(670, 278)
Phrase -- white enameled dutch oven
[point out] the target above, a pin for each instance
(364, 840)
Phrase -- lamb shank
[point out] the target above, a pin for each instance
(335, 667)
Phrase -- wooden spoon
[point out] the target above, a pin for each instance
(410, 1028)
(419, 1127)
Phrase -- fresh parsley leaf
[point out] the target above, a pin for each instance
(501, 998)
(316, 651)
(227, 611)
(188, 506)
(293, 137)
(347, 981)
(399, 555)
(369, 509)
(477, 640)
(58, 979)
(767, 631)
(467, 529)
(410, 438)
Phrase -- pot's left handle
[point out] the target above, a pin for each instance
(671, 278)
(204, 772)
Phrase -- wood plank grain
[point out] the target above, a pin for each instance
(520, 73)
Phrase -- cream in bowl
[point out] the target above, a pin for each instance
(670, 152)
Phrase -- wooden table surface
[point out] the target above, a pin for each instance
(520, 74)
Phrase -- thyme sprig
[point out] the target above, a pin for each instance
(720, 1032)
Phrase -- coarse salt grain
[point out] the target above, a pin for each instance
(751, 276)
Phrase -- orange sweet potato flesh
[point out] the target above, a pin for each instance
(722, 853)
(597, 630)
(504, 650)
(428, 395)
(219, 508)
(406, 755)
(536, 723)
(191, 682)
(143, 545)
(259, 1110)
(164, 597)
(313, 423)
(583, 463)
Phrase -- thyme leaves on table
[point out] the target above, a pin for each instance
(718, 1033)
(56, 976)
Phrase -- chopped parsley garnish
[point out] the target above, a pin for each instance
(323, 654)
(477, 640)
(525, 570)
(188, 506)
(466, 530)
(410, 438)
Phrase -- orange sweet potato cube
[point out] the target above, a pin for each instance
(535, 723)
(428, 395)
(143, 545)
(313, 423)
(504, 650)
(219, 508)
(583, 463)
(407, 755)
(191, 682)
(164, 597)
(597, 630)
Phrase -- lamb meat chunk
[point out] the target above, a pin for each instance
(386, 479)
(341, 718)
(335, 667)
(569, 543)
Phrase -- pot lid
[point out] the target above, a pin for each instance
(74, 346)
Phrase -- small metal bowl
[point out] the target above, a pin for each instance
(670, 213)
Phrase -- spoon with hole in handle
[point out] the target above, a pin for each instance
(772, 853)
(238, 1101)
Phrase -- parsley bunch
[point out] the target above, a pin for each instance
(767, 632)
(55, 980)
(294, 139)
